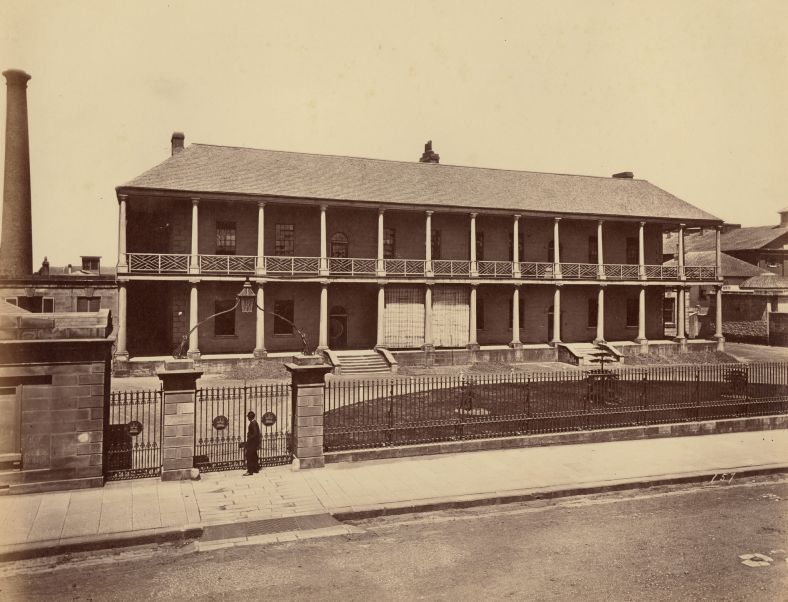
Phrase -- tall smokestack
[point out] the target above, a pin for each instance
(16, 243)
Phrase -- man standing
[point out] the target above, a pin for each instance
(254, 440)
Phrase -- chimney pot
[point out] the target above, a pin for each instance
(177, 142)
(429, 156)
(624, 175)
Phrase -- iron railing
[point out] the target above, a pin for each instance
(220, 425)
(132, 443)
(406, 411)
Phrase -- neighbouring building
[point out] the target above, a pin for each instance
(763, 246)
(49, 290)
(365, 253)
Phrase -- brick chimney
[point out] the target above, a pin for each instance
(429, 155)
(783, 217)
(177, 142)
(16, 242)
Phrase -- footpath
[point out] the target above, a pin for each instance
(281, 504)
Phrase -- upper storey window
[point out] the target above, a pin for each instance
(339, 245)
(389, 243)
(285, 240)
(225, 238)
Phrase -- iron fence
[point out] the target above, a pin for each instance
(132, 446)
(406, 411)
(220, 425)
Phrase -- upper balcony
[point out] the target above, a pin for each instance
(441, 269)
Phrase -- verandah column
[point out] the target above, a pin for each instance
(194, 351)
(121, 352)
(641, 252)
(600, 250)
(259, 326)
(194, 264)
(428, 344)
(641, 339)
(381, 263)
(516, 246)
(516, 342)
(556, 315)
(323, 242)
(556, 248)
(123, 265)
(718, 254)
(261, 238)
(323, 333)
(681, 337)
(600, 316)
(718, 336)
(680, 258)
(473, 343)
(428, 243)
(473, 268)
(381, 336)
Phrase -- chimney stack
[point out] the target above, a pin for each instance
(783, 217)
(429, 155)
(16, 243)
(177, 142)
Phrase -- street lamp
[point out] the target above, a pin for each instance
(247, 300)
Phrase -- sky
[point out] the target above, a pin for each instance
(691, 96)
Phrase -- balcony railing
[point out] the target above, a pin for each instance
(530, 269)
(182, 263)
(451, 267)
(494, 269)
(158, 263)
(352, 267)
(227, 264)
(579, 271)
(404, 267)
(291, 266)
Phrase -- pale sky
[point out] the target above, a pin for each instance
(691, 95)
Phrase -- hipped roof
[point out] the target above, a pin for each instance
(202, 168)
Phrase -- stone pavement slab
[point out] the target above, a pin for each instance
(127, 511)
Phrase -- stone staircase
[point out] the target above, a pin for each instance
(362, 363)
(582, 354)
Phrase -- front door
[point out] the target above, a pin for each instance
(337, 328)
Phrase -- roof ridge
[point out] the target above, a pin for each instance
(439, 165)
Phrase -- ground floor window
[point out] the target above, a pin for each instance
(88, 303)
(593, 306)
(224, 324)
(632, 311)
(283, 309)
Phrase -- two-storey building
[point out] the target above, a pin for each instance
(365, 253)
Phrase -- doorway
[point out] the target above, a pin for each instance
(337, 328)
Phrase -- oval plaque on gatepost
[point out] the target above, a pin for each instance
(134, 428)
(220, 422)
(268, 419)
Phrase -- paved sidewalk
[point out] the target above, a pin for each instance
(150, 510)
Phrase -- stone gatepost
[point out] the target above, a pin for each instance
(308, 383)
(179, 380)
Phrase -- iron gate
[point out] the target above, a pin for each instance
(132, 446)
(220, 425)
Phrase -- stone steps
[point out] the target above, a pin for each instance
(355, 363)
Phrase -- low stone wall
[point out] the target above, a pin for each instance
(207, 366)
(464, 357)
(62, 388)
(683, 429)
